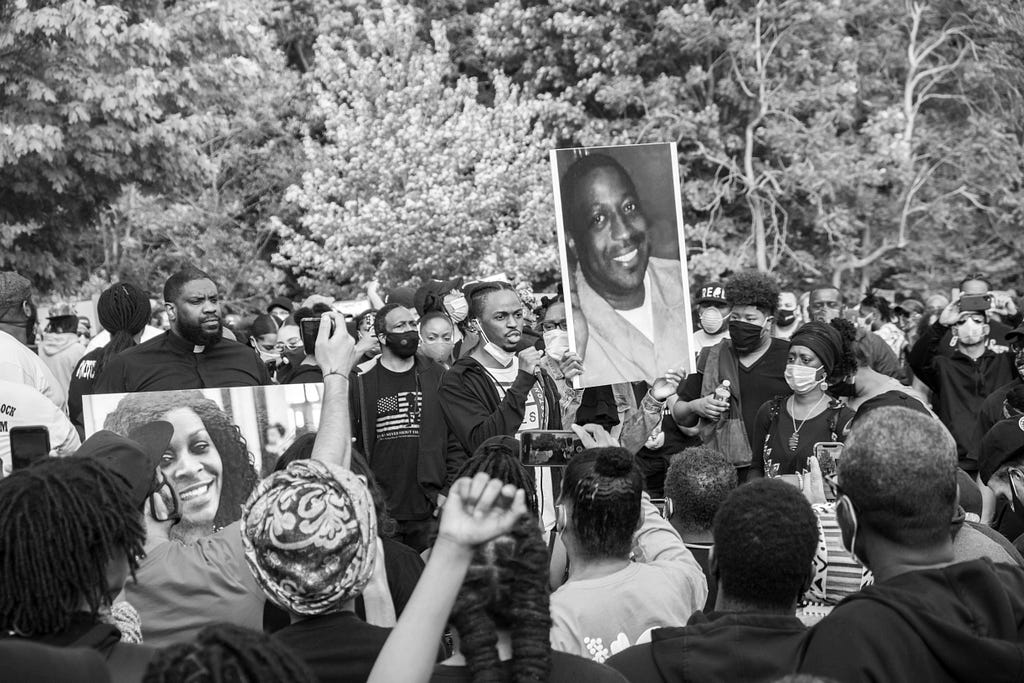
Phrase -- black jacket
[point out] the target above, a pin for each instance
(437, 463)
(960, 383)
(963, 622)
(475, 411)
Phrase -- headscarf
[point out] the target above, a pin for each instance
(309, 535)
(824, 340)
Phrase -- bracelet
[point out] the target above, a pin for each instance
(334, 372)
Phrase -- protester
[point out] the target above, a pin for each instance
(713, 315)
(262, 337)
(604, 518)
(71, 533)
(826, 304)
(280, 309)
(874, 314)
(788, 428)
(59, 348)
(192, 355)
(788, 318)
(123, 310)
(996, 405)
(397, 422)
(437, 338)
(21, 405)
(963, 379)
(765, 537)
(305, 371)
(979, 285)
(925, 618)
(224, 652)
(697, 482)
(207, 461)
(1001, 468)
(867, 389)
(751, 359)
(17, 312)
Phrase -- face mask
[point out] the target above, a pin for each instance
(269, 357)
(402, 344)
(843, 388)
(802, 379)
(785, 318)
(456, 306)
(556, 343)
(746, 337)
(711, 320)
(970, 333)
(1015, 504)
(503, 357)
(438, 350)
(865, 322)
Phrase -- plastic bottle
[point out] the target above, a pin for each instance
(722, 393)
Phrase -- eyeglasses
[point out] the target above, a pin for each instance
(162, 490)
(550, 325)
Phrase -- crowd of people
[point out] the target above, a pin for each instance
(832, 495)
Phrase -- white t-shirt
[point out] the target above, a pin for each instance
(19, 364)
(24, 406)
(642, 318)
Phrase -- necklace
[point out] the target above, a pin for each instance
(794, 440)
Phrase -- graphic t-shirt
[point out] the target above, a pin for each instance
(395, 456)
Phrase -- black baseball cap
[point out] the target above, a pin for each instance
(1002, 444)
(135, 458)
(712, 293)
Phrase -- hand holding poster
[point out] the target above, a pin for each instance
(621, 245)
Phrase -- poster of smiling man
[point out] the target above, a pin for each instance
(621, 244)
(224, 441)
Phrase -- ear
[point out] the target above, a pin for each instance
(171, 309)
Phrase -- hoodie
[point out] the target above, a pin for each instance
(962, 622)
(60, 351)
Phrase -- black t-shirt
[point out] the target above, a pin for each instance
(777, 458)
(758, 383)
(395, 456)
(404, 566)
(82, 379)
(338, 647)
(564, 668)
(891, 399)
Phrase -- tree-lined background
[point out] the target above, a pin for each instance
(313, 145)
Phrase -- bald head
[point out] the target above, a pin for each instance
(899, 470)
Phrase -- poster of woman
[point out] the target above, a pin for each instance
(221, 444)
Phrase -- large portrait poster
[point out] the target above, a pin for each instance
(225, 440)
(622, 249)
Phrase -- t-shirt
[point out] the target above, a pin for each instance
(180, 588)
(772, 438)
(395, 457)
(24, 406)
(339, 647)
(642, 317)
(758, 383)
(565, 668)
(597, 618)
(19, 364)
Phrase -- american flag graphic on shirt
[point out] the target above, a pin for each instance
(398, 416)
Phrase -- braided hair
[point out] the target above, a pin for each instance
(62, 522)
(604, 488)
(225, 652)
(238, 477)
(123, 310)
(499, 458)
(506, 588)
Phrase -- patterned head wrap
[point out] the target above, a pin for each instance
(309, 534)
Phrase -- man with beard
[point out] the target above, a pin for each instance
(961, 380)
(631, 304)
(826, 304)
(192, 354)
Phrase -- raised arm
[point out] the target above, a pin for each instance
(335, 354)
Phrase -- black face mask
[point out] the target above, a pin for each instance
(403, 344)
(746, 337)
(843, 388)
(785, 318)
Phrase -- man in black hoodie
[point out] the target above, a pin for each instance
(497, 391)
(925, 618)
(765, 537)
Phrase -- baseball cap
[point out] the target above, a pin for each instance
(712, 293)
(13, 289)
(135, 457)
(1001, 444)
(910, 307)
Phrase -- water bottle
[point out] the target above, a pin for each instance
(722, 393)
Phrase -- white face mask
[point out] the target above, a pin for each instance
(556, 343)
(503, 357)
(456, 306)
(711, 320)
(802, 379)
(970, 332)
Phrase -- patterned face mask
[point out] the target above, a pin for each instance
(309, 534)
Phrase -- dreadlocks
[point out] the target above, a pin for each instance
(506, 588)
(123, 310)
(499, 458)
(62, 522)
(225, 652)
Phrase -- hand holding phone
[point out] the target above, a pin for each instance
(549, 448)
(28, 444)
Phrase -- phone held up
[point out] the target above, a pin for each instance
(828, 454)
(28, 444)
(309, 328)
(549, 448)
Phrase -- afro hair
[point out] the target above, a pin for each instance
(753, 288)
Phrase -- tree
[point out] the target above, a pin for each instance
(414, 177)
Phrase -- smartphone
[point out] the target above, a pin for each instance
(309, 328)
(828, 454)
(549, 448)
(975, 302)
(28, 444)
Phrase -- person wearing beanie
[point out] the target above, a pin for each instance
(123, 310)
(60, 349)
(787, 427)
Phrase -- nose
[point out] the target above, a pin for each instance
(187, 466)
(621, 229)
